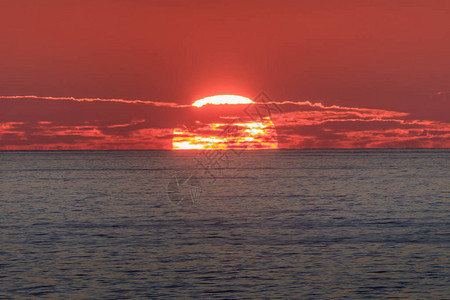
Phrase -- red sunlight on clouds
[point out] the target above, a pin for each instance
(315, 126)
(44, 123)
(124, 74)
(249, 135)
(111, 56)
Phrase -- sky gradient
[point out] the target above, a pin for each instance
(346, 74)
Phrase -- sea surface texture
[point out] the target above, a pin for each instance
(286, 224)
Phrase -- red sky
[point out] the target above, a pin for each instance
(380, 69)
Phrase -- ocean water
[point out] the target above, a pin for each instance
(286, 224)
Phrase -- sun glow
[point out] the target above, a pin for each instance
(242, 133)
(222, 99)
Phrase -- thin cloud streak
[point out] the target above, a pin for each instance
(155, 103)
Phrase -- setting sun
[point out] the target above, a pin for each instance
(222, 99)
(239, 132)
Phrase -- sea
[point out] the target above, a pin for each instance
(262, 224)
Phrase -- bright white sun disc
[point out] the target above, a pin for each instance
(222, 99)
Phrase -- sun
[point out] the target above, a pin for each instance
(223, 124)
(222, 99)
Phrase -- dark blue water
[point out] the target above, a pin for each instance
(261, 224)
